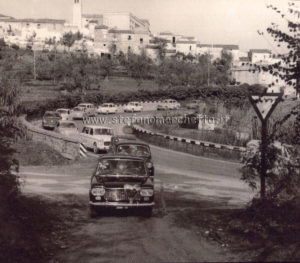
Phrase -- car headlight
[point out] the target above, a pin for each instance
(146, 192)
(149, 165)
(98, 191)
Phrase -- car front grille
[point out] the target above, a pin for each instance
(115, 195)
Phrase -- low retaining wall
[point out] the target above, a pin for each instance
(69, 148)
(195, 147)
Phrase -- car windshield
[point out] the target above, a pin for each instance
(52, 115)
(103, 131)
(121, 167)
(135, 150)
(77, 109)
(68, 125)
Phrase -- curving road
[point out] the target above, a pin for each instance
(181, 179)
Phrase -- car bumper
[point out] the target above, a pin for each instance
(120, 205)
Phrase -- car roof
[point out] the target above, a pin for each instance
(134, 102)
(97, 127)
(67, 122)
(108, 103)
(48, 111)
(62, 109)
(84, 104)
(123, 157)
(132, 143)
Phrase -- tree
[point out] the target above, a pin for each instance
(161, 47)
(69, 38)
(280, 172)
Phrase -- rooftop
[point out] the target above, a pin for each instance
(231, 47)
(37, 21)
(92, 16)
(120, 31)
(101, 27)
(260, 51)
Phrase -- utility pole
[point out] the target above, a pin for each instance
(264, 105)
(34, 64)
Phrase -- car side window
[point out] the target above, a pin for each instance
(91, 131)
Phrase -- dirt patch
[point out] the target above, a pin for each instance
(273, 235)
(34, 153)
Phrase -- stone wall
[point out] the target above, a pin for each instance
(195, 147)
(69, 148)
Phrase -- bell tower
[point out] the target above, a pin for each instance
(77, 13)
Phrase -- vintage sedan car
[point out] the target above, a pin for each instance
(133, 106)
(107, 108)
(88, 108)
(169, 104)
(76, 113)
(50, 120)
(67, 128)
(96, 137)
(118, 139)
(134, 148)
(64, 113)
(121, 182)
(193, 105)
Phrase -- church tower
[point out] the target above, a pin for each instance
(77, 13)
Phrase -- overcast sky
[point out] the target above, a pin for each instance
(211, 21)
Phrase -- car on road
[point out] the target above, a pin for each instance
(50, 120)
(107, 108)
(133, 106)
(76, 113)
(96, 137)
(168, 104)
(88, 108)
(121, 182)
(67, 128)
(193, 105)
(64, 113)
(120, 138)
(134, 148)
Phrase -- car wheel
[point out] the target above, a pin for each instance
(146, 211)
(95, 148)
(93, 212)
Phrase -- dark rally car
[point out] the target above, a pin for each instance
(134, 148)
(51, 119)
(121, 182)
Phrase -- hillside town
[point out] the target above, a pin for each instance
(111, 33)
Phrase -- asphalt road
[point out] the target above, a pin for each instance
(180, 178)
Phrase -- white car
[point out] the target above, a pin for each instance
(64, 113)
(169, 104)
(88, 108)
(76, 113)
(67, 128)
(133, 106)
(97, 138)
(107, 108)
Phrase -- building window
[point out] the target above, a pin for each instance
(129, 48)
(190, 48)
(38, 25)
(104, 45)
(129, 37)
(173, 40)
(141, 41)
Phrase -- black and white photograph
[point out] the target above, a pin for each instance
(140, 131)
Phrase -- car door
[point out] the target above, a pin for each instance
(85, 136)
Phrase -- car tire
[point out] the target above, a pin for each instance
(147, 211)
(93, 212)
(95, 148)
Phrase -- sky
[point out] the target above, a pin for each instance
(210, 21)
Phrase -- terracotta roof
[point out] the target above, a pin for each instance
(166, 34)
(119, 31)
(101, 27)
(37, 21)
(185, 42)
(260, 51)
(232, 47)
(92, 16)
